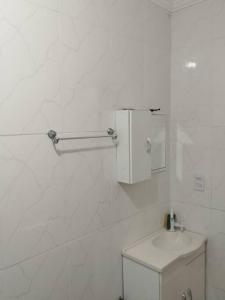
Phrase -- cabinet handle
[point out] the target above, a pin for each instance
(189, 293)
(149, 145)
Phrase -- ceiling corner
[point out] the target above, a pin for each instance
(180, 4)
(175, 5)
(166, 4)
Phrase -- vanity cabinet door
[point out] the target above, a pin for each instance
(140, 283)
(184, 281)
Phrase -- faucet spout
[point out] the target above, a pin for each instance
(179, 226)
(174, 225)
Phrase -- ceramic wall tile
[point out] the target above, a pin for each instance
(218, 84)
(191, 157)
(218, 179)
(216, 294)
(191, 84)
(67, 65)
(89, 268)
(218, 19)
(216, 266)
(194, 218)
(195, 24)
(197, 110)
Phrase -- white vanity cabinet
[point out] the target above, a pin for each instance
(185, 280)
(175, 283)
(148, 275)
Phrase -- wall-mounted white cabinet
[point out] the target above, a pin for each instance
(142, 145)
(134, 147)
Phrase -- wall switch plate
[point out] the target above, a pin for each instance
(199, 183)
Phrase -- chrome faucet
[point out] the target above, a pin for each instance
(173, 224)
(179, 226)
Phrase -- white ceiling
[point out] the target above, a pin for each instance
(174, 5)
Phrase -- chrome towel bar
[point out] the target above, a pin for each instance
(52, 134)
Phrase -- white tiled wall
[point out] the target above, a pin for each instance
(198, 129)
(66, 65)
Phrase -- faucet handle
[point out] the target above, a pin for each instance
(183, 296)
(180, 226)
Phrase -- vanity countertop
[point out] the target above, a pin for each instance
(162, 248)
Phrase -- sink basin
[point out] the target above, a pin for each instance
(172, 241)
(162, 248)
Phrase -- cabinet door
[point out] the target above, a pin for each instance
(185, 281)
(140, 145)
(140, 283)
(134, 147)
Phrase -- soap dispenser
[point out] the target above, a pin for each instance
(171, 220)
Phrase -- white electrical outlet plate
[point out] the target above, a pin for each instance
(199, 183)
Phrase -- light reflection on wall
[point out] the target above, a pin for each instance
(182, 139)
(191, 65)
